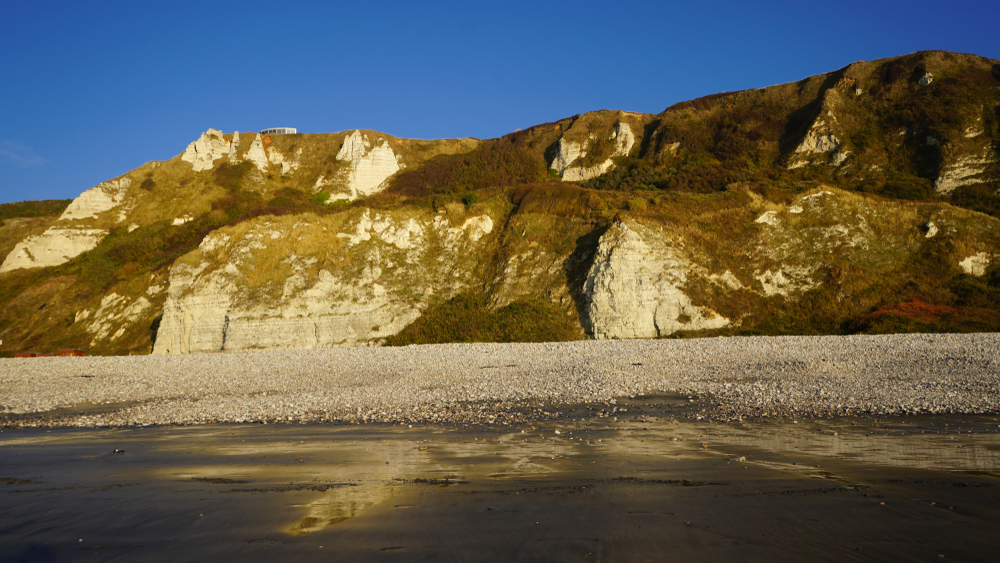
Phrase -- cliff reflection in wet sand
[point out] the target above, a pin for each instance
(641, 484)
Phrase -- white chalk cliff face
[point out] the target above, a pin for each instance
(635, 287)
(256, 155)
(570, 152)
(61, 243)
(370, 284)
(96, 200)
(55, 246)
(209, 147)
(819, 140)
(368, 170)
(966, 170)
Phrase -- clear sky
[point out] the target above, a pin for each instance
(90, 90)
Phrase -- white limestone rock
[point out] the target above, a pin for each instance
(819, 140)
(377, 281)
(787, 281)
(624, 139)
(569, 152)
(97, 200)
(635, 287)
(965, 171)
(286, 165)
(115, 315)
(368, 170)
(582, 173)
(209, 147)
(234, 148)
(790, 251)
(974, 130)
(55, 246)
(256, 154)
(926, 79)
(771, 218)
(976, 264)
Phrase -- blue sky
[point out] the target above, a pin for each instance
(90, 90)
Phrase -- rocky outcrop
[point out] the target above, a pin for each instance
(55, 246)
(570, 152)
(787, 281)
(966, 171)
(256, 155)
(368, 169)
(284, 164)
(819, 140)
(97, 200)
(283, 283)
(209, 147)
(635, 287)
(116, 314)
(234, 148)
(582, 173)
(795, 240)
(976, 264)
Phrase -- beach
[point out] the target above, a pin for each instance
(740, 377)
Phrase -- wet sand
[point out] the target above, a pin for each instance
(642, 481)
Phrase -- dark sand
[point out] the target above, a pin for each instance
(904, 488)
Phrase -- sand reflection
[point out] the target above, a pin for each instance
(342, 503)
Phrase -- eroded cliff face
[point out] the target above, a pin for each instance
(210, 146)
(368, 167)
(829, 228)
(77, 229)
(635, 289)
(656, 237)
(97, 200)
(570, 154)
(315, 282)
(55, 246)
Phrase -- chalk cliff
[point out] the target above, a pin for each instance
(635, 289)
(315, 282)
(97, 200)
(209, 147)
(571, 153)
(863, 199)
(368, 167)
(55, 246)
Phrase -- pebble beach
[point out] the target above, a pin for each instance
(731, 378)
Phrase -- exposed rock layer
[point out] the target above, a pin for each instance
(635, 287)
(97, 200)
(371, 285)
(55, 246)
(368, 169)
(209, 147)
